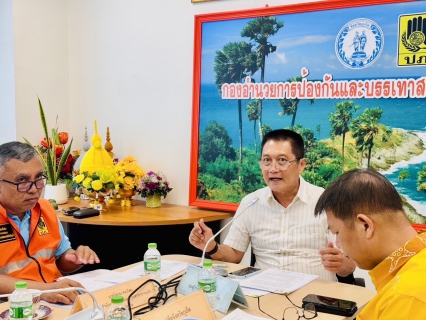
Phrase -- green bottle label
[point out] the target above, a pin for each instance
(207, 286)
(21, 312)
(152, 265)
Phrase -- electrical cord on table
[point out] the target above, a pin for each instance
(154, 301)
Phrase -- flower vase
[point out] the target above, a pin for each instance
(126, 197)
(153, 201)
(59, 193)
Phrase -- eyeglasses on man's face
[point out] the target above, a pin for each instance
(27, 185)
(292, 313)
(281, 164)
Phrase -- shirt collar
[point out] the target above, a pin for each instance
(27, 216)
(389, 267)
(301, 193)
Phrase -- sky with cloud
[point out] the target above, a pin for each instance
(308, 40)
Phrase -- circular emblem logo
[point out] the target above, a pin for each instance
(359, 43)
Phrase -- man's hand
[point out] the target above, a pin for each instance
(67, 297)
(82, 255)
(335, 261)
(72, 260)
(199, 236)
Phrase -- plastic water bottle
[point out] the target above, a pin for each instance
(21, 302)
(152, 262)
(207, 282)
(117, 310)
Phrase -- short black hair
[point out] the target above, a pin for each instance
(16, 150)
(295, 139)
(359, 191)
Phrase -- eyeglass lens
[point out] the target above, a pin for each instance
(309, 311)
(292, 313)
(280, 165)
(26, 186)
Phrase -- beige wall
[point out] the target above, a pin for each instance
(41, 65)
(7, 85)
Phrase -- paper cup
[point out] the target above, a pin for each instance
(36, 299)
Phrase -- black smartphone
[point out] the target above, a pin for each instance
(244, 273)
(70, 210)
(331, 305)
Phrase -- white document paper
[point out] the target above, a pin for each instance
(254, 292)
(239, 314)
(168, 269)
(99, 279)
(274, 280)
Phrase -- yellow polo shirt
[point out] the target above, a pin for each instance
(400, 281)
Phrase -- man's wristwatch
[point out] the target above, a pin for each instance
(216, 247)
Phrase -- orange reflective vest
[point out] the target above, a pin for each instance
(36, 262)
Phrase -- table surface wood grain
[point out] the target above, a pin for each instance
(140, 215)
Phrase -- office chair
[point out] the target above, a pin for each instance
(350, 279)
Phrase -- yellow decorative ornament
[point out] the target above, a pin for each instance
(96, 158)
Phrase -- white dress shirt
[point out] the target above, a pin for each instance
(283, 238)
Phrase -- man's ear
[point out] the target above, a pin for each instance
(302, 165)
(367, 224)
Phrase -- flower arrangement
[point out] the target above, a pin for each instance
(100, 181)
(57, 159)
(153, 184)
(129, 173)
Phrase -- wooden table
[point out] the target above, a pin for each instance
(130, 229)
(140, 215)
(273, 304)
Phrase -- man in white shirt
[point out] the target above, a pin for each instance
(281, 226)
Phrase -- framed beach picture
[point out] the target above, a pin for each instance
(349, 78)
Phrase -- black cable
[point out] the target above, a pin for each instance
(154, 301)
(258, 304)
(281, 294)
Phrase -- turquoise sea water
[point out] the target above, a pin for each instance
(408, 114)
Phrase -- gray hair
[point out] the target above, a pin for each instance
(15, 150)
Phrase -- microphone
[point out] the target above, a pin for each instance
(217, 233)
(93, 313)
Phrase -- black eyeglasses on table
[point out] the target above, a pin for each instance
(27, 185)
(292, 313)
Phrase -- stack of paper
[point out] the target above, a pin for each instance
(273, 280)
(100, 279)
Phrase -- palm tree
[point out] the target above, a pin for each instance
(290, 105)
(318, 129)
(421, 179)
(233, 64)
(403, 175)
(365, 128)
(252, 110)
(340, 122)
(259, 30)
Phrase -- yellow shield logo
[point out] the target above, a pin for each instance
(412, 40)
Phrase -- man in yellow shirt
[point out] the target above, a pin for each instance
(365, 212)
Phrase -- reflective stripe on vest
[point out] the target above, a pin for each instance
(19, 265)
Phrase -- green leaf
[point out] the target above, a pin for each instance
(50, 165)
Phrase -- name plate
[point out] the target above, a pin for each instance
(227, 291)
(192, 307)
(103, 297)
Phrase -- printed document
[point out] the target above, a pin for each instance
(274, 280)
